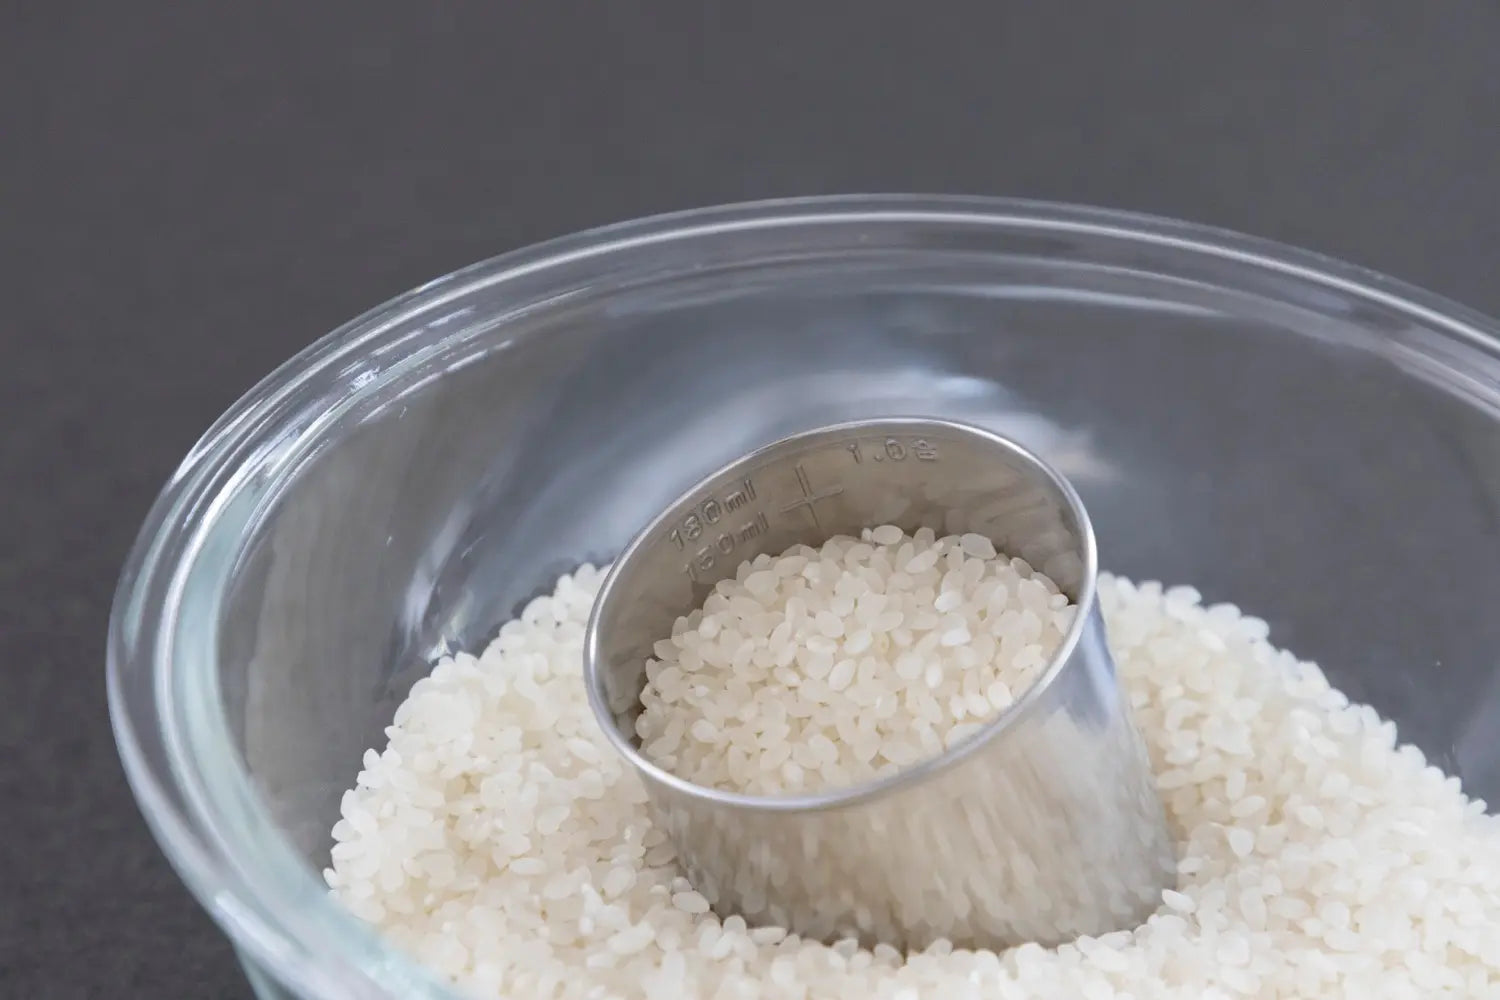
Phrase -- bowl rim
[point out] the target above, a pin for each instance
(283, 920)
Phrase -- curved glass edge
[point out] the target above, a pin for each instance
(261, 983)
(279, 915)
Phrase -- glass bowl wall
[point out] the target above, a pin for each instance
(1315, 443)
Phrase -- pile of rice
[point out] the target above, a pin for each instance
(501, 841)
(825, 667)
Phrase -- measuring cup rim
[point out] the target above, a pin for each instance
(924, 769)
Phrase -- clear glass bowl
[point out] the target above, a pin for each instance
(1316, 443)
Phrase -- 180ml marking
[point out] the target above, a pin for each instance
(897, 450)
(701, 521)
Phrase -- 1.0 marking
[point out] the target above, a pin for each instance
(897, 450)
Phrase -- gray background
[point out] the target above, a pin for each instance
(187, 196)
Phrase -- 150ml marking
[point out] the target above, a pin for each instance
(703, 521)
(895, 449)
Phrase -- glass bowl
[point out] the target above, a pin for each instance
(1313, 442)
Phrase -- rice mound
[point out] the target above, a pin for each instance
(500, 841)
(824, 667)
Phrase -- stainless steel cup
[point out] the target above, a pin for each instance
(1043, 826)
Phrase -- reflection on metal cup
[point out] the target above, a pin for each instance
(1042, 826)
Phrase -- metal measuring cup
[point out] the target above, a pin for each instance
(1043, 826)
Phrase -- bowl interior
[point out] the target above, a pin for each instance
(1326, 459)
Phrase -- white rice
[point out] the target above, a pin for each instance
(501, 842)
(825, 667)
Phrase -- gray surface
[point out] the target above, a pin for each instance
(189, 195)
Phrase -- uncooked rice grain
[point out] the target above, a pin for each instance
(499, 841)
